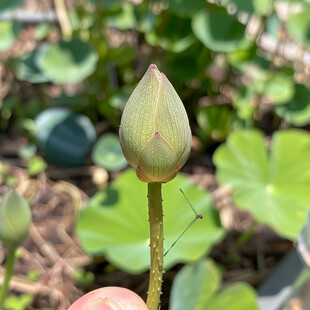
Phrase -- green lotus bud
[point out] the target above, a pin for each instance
(154, 132)
(15, 219)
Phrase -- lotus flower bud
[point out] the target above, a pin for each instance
(110, 298)
(15, 219)
(154, 132)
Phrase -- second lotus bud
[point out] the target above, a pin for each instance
(154, 132)
(15, 220)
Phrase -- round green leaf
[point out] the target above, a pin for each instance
(6, 5)
(238, 296)
(195, 287)
(298, 26)
(219, 31)
(64, 137)
(67, 61)
(272, 185)
(9, 31)
(27, 69)
(115, 223)
(263, 7)
(297, 111)
(108, 153)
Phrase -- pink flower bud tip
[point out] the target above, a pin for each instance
(109, 298)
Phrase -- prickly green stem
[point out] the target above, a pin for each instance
(156, 245)
(8, 275)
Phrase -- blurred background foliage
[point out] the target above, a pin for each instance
(241, 69)
(235, 64)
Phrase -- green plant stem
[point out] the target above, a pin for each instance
(156, 245)
(63, 17)
(8, 274)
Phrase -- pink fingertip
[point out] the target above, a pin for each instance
(109, 298)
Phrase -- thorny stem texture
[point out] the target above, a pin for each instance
(8, 274)
(156, 245)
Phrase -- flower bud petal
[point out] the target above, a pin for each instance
(15, 219)
(137, 124)
(172, 121)
(157, 160)
(154, 132)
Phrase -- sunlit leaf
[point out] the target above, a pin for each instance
(36, 165)
(272, 185)
(115, 223)
(67, 61)
(219, 31)
(107, 153)
(196, 287)
(20, 302)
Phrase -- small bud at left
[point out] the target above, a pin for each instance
(15, 220)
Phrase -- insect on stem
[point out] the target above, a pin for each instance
(197, 216)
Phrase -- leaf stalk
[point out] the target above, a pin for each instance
(156, 245)
(8, 275)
